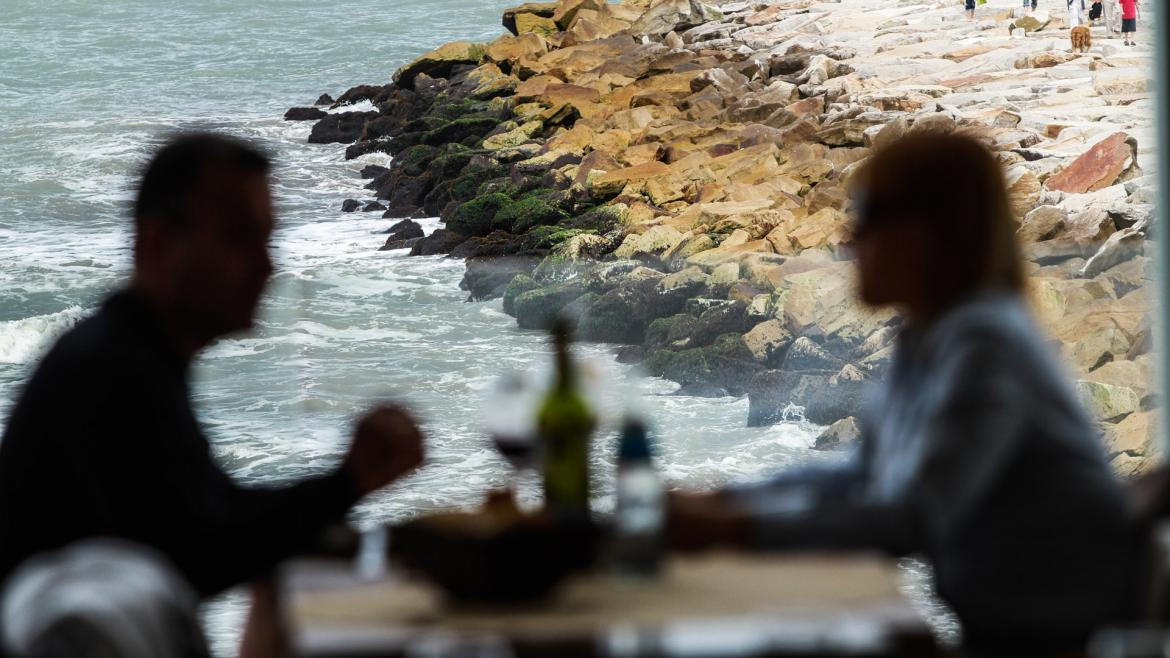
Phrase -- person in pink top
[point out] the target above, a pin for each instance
(1129, 15)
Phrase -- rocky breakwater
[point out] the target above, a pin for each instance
(672, 175)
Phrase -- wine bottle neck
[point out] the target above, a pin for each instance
(565, 378)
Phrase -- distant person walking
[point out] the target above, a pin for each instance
(1076, 12)
(970, 5)
(1129, 16)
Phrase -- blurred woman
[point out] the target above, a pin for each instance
(975, 451)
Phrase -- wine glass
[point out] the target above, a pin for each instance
(510, 419)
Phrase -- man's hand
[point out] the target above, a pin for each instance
(698, 521)
(387, 444)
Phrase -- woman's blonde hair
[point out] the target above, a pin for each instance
(954, 187)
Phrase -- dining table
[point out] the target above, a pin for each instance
(713, 604)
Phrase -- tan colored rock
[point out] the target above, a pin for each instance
(527, 46)
(1136, 435)
(517, 18)
(1024, 190)
(828, 227)
(1106, 401)
(964, 54)
(1097, 168)
(824, 302)
(1119, 82)
(1042, 223)
(1045, 60)
(567, 10)
(438, 62)
(613, 182)
(840, 435)
(655, 242)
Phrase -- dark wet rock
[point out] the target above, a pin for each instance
(730, 317)
(407, 228)
(415, 160)
(404, 194)
(373, 206)
(304, 114)
(359, 149)
(442, 241)
(489, 277)
(496, 244)
(340, 128)
(671, 333)
(620, 315)
(399, 244)
(400, 143)
(437, 199)
(360, 93)
(350, 205)
(373, 171)
(824, 397)
(382, 126)
(724, 367)
(804, 354)
(537, 308)
(324, 99)
(460, 130)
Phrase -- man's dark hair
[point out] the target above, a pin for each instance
(178, 166)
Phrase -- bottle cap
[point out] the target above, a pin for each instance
(634, 445)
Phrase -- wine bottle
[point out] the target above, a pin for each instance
(565, 423)
(640, 501)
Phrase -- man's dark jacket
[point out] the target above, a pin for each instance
(103, 442)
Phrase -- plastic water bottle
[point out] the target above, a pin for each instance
(640, 503)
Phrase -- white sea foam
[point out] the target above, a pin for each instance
(23, 340)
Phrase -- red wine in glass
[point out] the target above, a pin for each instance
(519, 450)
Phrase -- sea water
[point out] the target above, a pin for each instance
(87, 89)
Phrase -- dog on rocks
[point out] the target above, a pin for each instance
(1082, 38)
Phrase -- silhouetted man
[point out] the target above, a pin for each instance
(103, 441)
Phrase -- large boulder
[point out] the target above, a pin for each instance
(840, 435)
(1097, 168)
(340, 128)
(441, 241)
(824, 397)
(439, 62)
(673, 16)
(487, 278)
(519, 20)
(539, 307)
(822, 303)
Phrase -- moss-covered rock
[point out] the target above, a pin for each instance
(415, 160)
(536, 309)
(602, 219)
(548, 237)
(671, 333)
(531, 211)
(502, 185)
(475, 217)
(460, 130)
(466, 186)
(450, 161)
(520, 284)
(727, 364)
